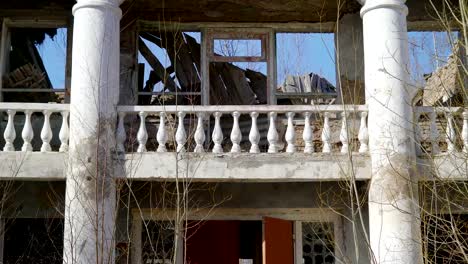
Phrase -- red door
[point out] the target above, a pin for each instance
(278, 244)
(213, 242)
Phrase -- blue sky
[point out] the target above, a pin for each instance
(53, 54)
(297, 54)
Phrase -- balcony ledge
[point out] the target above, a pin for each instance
(265, 167)
(33, 166)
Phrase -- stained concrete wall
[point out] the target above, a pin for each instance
(350, 57)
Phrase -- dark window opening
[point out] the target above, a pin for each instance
(444, 238)
(158, 242)
(35, 65)
(30, 240)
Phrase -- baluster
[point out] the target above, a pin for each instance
(308, 135)
(363, 135)
(142, 135)
(290, 135)
(27, 132)
(236, 134)
(465, 131)
(344, 133)
(161, 135)
(200, 134)
(272, 135)
(434, 133)
(217, 134)
(181, 135)
(450, 134)
(121, 134)
(10, 133)
(418, 133)
(64, 134)
(254, 135)
(46, 132)
(326, 133)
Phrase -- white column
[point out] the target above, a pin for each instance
(393, 204)
(90, 199)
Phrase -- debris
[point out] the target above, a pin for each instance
(443, 86)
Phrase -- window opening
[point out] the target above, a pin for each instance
(158, 242)
(169, 66)
(435, 67)
(30, 240)
(317, 243)
(238, 47)
(237, 67)
(34, 64)
(306, 69)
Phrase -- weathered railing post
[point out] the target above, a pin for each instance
(464, 133)
(27, 134)
(434, 133)
(450, 133)
(46, 132)
(344, 137)
(308, 135)
(142, 135)
(290, 135)
(181, 135)
(161, 135)
(272, 135)
(254, 135)
(326, 133)
(200, 134)
(10, 134)
(363, 135)
(236, 134)
(217, 135)
(64, 133)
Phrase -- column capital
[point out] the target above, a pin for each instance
(369, 5)
(109, 4)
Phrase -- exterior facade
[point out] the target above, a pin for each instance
(207, 182)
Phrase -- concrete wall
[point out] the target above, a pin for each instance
(350, 58)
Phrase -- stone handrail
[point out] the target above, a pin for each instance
(441, 118)
(27, 132)
(202, 113)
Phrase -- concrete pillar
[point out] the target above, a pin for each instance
(90, 199)
(350, 58)
(128, 64)
(393, 204)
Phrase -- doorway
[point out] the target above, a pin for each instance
(245, 236)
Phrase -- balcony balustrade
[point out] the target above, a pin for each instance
(244, 129)
(20, 133)
(234, 129)
(441, 130)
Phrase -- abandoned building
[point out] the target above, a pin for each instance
(173, 135)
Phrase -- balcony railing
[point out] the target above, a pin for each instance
(441, 129)
(249, 129)
(26, 119)
(235, 129)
